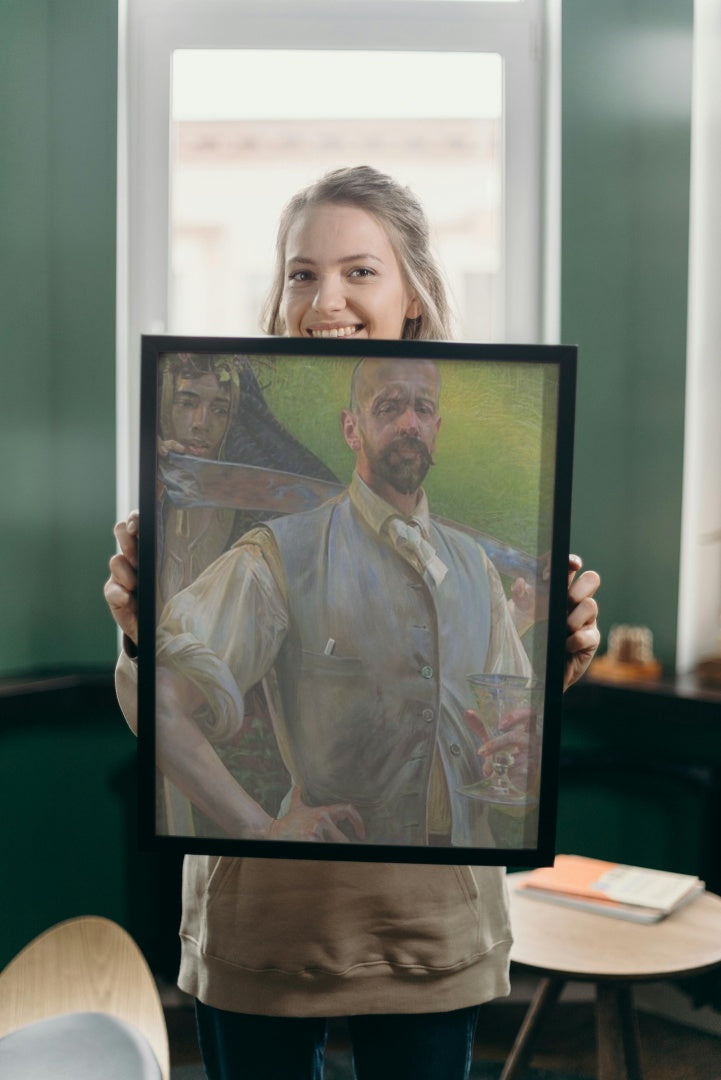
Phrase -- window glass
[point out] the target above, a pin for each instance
(251, 127)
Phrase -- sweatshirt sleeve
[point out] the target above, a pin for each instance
(126, 689)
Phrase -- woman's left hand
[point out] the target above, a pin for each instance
(582, 633)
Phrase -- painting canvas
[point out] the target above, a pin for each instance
(352, 597)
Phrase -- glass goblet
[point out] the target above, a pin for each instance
(495, 697)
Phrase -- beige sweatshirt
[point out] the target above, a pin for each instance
(313, 938)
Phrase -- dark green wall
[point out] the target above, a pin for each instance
(68, 798)
(626, 145)
(66, 759)
(58, 72)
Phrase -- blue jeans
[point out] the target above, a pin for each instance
(415, 1046)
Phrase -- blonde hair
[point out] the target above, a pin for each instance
(403, 217)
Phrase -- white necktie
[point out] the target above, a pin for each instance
(414, 549)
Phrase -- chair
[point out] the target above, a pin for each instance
(80, 1002)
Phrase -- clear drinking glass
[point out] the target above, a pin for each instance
(495, 696)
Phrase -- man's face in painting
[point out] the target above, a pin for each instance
(393, 423)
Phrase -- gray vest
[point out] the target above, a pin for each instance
(364, 721)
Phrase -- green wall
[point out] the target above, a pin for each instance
(626, 133)
(626, 127)
(58, 71)
(626, 145)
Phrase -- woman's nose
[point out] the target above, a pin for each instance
(329, 296)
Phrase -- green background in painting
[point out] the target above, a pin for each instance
(495, 455)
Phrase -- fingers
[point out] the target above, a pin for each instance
(507, 740)
(523, 594)
(582, 634)
(582, 615)
(123, 607)
(316, 823)
(584, 586)
(518, 719)
(575, 563)
(476, 725)
(582, 607)
(126, 534)
(121, 587)
(583, 643)
(166, 446)
(343, 812)
(515, 729)
(123, 572)
(516, 741)
(581, 646)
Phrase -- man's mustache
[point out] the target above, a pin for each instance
(410, 442)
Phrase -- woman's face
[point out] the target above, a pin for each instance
(342, 277)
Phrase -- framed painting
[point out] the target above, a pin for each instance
(352, 597)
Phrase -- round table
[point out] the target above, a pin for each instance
(562, 944)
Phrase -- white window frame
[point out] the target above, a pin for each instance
(526, 34)
(699, 597)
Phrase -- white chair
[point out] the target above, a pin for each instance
(80, 1002)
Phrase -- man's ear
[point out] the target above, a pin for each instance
(349, 427)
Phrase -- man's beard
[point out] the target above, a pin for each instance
(404, 474)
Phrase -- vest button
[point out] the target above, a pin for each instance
(428, 715)
(427, 671)
(455, 749)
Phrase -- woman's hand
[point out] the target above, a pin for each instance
(121, 587)
(582, 633)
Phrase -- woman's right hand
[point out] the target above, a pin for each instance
(121, 587)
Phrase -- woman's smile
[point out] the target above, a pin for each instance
(334, 331)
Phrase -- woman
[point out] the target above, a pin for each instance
(272, 948)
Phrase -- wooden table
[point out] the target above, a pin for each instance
(563, 944)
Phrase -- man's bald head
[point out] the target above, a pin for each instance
(372, 372)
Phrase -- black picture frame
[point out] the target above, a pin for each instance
(500, 482)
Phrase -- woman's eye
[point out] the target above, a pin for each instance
(362, 272)
(300, 276)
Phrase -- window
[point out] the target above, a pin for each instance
(227, 107)
(235, 161)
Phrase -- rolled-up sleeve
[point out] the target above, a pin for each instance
(224, 631)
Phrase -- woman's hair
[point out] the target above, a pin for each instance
(402, 216)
